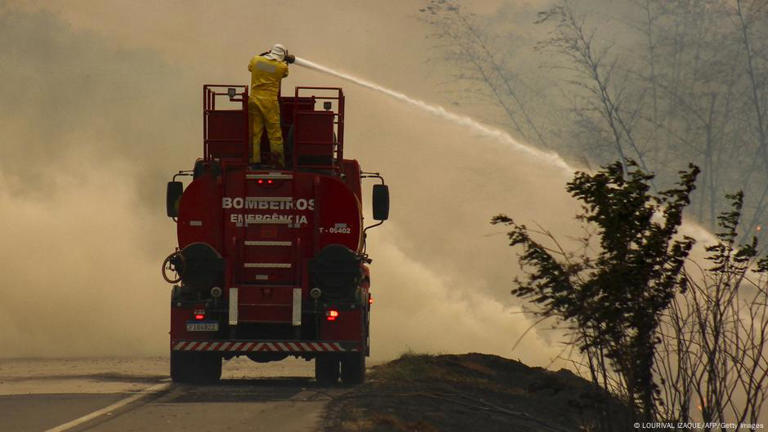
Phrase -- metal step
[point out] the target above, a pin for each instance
(267, 243)
(268, 265)
(269, 176)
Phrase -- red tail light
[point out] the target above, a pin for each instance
(331, 314)
(199, 314)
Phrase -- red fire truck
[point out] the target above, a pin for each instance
(271, 262)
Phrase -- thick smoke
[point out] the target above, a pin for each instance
(88, 131)
(77, 279)
(97, 118)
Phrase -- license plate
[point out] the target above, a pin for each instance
(204, 326)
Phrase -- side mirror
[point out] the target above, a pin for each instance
(380, 202)
(172, 198)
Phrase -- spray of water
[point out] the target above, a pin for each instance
(441, 112)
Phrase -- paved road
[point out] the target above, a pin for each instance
(252, 397)
(39, 412)
(270, 404)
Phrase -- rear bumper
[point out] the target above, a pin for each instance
(252, 346)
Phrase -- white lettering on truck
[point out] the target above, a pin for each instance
(293, 221)
(267, 203)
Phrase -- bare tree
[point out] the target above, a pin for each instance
(690, 73)
(614, 102)
(466, 45)
(713, 355)
(751, 15)
(687, 82)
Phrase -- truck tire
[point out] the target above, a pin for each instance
(326, 370)
(195, 368)
(208, 369)
(180, 367)
(353, 368)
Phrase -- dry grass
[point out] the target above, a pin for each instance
(467, 392)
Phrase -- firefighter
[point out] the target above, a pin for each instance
(267, 71)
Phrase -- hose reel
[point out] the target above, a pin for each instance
(199, 267)
(174, 263)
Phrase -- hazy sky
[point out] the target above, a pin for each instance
(101, 105)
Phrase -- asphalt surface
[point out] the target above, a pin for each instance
(39, 412)
(136, 395)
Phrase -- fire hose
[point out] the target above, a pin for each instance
(174, 262)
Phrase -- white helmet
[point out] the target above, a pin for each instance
(276, 53)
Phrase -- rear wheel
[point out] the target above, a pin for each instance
(353, 368)
(196, 368)
(180, 367)
(326, 370)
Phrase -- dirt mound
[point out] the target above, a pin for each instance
(473, 392)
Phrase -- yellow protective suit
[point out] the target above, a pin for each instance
(263, 107)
